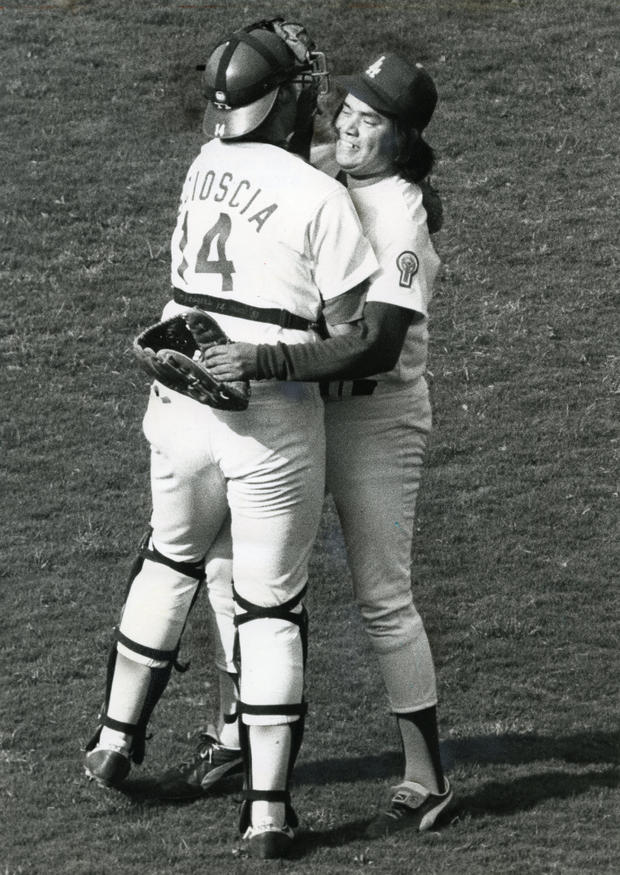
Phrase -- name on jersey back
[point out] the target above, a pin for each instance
(242, 195)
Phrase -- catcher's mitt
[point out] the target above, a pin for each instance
(169, 352)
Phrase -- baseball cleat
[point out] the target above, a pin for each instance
(211, 763)
(411, 807)
(266, 841)
(106, 767)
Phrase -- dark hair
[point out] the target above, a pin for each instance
(414, 158)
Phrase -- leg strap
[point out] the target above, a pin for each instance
(278, 612)
(142, 650)
(266, 796)
(196, 570)
(258, 612)
(104, 720)
(299, 708)
(127, 728)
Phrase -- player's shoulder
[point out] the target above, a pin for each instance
(403, 194)
(403, 199)
(320, 190)
(402, 223)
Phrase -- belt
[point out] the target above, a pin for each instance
(345, 388)
(229, 307)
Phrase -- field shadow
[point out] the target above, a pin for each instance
(521, 794)
(510, 748)
(497, 797)
(514, 749)
(147, 790)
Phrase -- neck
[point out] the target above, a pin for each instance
(358, 180)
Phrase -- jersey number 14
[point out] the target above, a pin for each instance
(220, 231)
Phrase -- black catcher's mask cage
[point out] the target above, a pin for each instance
(309, 67)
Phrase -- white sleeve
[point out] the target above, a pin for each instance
(406, 274)
(341, 254)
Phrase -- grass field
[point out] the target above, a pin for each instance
(516, 552)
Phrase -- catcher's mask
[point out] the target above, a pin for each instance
(243, 74)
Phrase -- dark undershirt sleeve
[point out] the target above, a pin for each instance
(372, 347)
(335, 358)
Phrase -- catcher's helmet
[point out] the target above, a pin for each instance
(243, 74)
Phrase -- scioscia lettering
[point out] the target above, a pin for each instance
(237, 195)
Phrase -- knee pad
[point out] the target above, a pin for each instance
(159, 597)
(271, 650)
(133, 637)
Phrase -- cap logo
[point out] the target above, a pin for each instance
(220, 129)
(375, 68)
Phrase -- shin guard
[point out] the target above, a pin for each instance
(285, 710)
(159, 675)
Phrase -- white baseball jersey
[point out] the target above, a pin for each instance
(265, 239)
(394, 220)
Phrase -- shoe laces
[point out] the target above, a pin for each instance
(202, 752)
(206, 747)
(397, 811)
(267, 824)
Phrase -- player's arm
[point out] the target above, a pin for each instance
(367, 346)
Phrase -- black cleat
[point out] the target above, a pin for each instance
(411, 807)
(211, 763)
(265, 841)
(106, 767)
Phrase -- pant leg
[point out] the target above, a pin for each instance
(375, 451)
(275, 491)
(189, 504)
(188, 487)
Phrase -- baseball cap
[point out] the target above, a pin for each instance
(393, 87)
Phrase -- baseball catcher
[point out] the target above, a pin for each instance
(267, 245)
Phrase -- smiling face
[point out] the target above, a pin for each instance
(365, 145)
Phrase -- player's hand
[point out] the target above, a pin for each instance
(234, 361)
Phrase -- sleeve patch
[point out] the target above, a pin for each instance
(408, 265)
